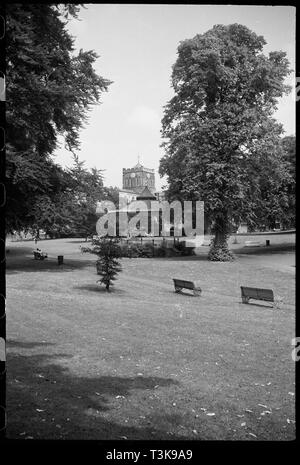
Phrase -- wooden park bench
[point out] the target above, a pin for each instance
(180, 284)
(252, 243)
(256, 293)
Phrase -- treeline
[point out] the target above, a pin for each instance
(50, 90)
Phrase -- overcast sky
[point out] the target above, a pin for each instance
(137, 45)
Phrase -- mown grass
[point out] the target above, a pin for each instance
(143, 362)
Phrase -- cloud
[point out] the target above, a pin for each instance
(144, 116)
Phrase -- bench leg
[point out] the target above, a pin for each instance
(178, 289)
(197, 292)
(245, 300)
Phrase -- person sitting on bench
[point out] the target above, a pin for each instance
(39, 255)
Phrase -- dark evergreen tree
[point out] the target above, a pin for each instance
(108, 266)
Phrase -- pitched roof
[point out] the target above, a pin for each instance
(145, 194)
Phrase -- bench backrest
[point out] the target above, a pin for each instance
(257, 293)
(183, 283)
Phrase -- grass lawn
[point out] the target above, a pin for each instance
(143, 362)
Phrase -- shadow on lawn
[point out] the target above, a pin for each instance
(100, 288)
(27, 345)
(263, 250)
(49, 265)
(46, 401)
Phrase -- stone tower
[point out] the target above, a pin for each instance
(137, 178)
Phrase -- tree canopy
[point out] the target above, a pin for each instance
(49, 92)
(222, 144)
(71, 209)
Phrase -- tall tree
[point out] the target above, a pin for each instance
(219, 133)
(49, 92)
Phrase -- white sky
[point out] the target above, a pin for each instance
(137, 45)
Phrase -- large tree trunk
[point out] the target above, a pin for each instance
(219, 250)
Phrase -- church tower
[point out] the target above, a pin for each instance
(137, 178)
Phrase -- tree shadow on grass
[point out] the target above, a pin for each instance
(27, 345)
(263, 250)
(100, 288)
(182, 258)
(46, 401)
(48, 265)
(18, 251)
(79, 241)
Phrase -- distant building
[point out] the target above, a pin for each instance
(139, 184)
(137, 178)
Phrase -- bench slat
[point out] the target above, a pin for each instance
(183, 283)
(257, 293)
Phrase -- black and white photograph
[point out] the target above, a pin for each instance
(148, 164)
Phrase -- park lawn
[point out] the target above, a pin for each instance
(143, 362)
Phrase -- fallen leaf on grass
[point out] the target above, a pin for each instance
(123, 437)
(291, 393)
(262, 405)
(290, 421)
(248, 410)
(252, 434)
(120, 397)
(210, 414)
(195, 431)
(243, 424)
(39, 410)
